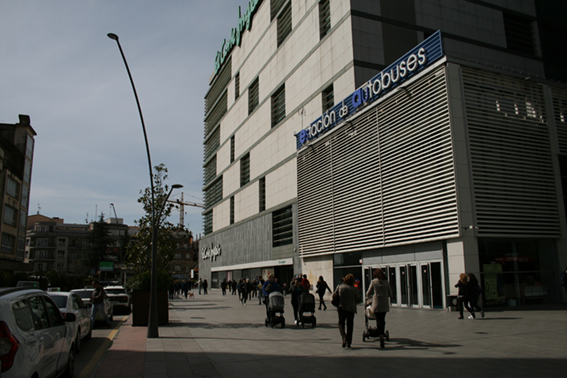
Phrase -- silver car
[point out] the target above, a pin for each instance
(35, 339)
(72, 303)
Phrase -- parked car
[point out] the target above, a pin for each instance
(72, 303)
(86, 295)
(119, 298)
(35, 339)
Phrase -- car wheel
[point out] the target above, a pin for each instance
(70, 368)
(78, 342)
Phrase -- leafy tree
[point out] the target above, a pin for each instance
(99, 240)
(139, 251)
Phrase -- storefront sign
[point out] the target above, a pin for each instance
(416, 60)
(244, 23)
(210, 253)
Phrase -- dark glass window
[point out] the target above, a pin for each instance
(232, 148)
(262, 192)
(328, 98)
(253, 96)
(208, 222)
(245, 169)
(284, 24)
(275, 6)
(324, 17)
(232, 210)
(282, 227)
(237, 86)
(278, 106)
(519, 34)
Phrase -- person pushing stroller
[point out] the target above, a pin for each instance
(380, 292)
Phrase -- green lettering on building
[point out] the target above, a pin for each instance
(244, 23)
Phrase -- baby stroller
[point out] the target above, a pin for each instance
(275, 306)
(307, 304)
(372, 331)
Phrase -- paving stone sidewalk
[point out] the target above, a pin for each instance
(215, 336)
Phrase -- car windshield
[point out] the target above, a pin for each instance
(84, 293)
(115, 291)
(60, 301)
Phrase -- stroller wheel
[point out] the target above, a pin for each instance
(363, 337)
(382, 341)
(314, 323)
(387, 336)
(283, 323)
(265, 322)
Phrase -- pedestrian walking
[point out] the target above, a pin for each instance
(270, 286)
(322, 287)
(243, 291)
(200, 285)
(349, 296)
(474, 292)
(97, 299)
(380, 292)
(234, 285)
(260, 290)
(296, 292)
(306, 284)
(463, 295)
(205, 286)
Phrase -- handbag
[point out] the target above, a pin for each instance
(336, 300)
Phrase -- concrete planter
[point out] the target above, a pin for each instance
(141, 308)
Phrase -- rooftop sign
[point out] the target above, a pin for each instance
(244, 23)
(409, 65)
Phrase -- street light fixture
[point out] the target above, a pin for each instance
(153, 330)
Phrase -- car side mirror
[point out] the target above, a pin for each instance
(70, 317)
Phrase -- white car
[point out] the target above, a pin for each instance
(119, 297)
(86, 296)
(72, 303)
(35, 339)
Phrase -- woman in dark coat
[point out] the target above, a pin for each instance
(322, 287)
(349, 297)
(380, 291)
(296, 292)
(474, 293)
(463, 295)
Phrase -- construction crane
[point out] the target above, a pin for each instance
(182, 205)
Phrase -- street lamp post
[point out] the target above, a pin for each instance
(153, 331)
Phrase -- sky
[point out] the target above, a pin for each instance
(58, 66)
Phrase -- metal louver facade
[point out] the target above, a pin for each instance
(511, 162)
(384, 178)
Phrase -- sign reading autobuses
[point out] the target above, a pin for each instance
(401, 70)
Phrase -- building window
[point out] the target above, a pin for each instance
(278, 106)
(41, 255)
(10, 215)
(253, 96)
(519, 35)
(324, 18)
(60, 253)
(237, 86)
(208, 222)
(213, 194)
(12, 188)
(41, 267)
(232, 148)
(245, 169)
(61, 242)
(262, 192)
(72, 255)
(282, 227)
(29, 147)
(275, 6)
(8, 243)
(60, 266)
(210, 170)
(27, 171)
(328, 98)
(284, 24)
(232, 210)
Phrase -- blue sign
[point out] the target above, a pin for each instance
(409, 65)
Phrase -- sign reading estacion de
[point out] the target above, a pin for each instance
(414, 61)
